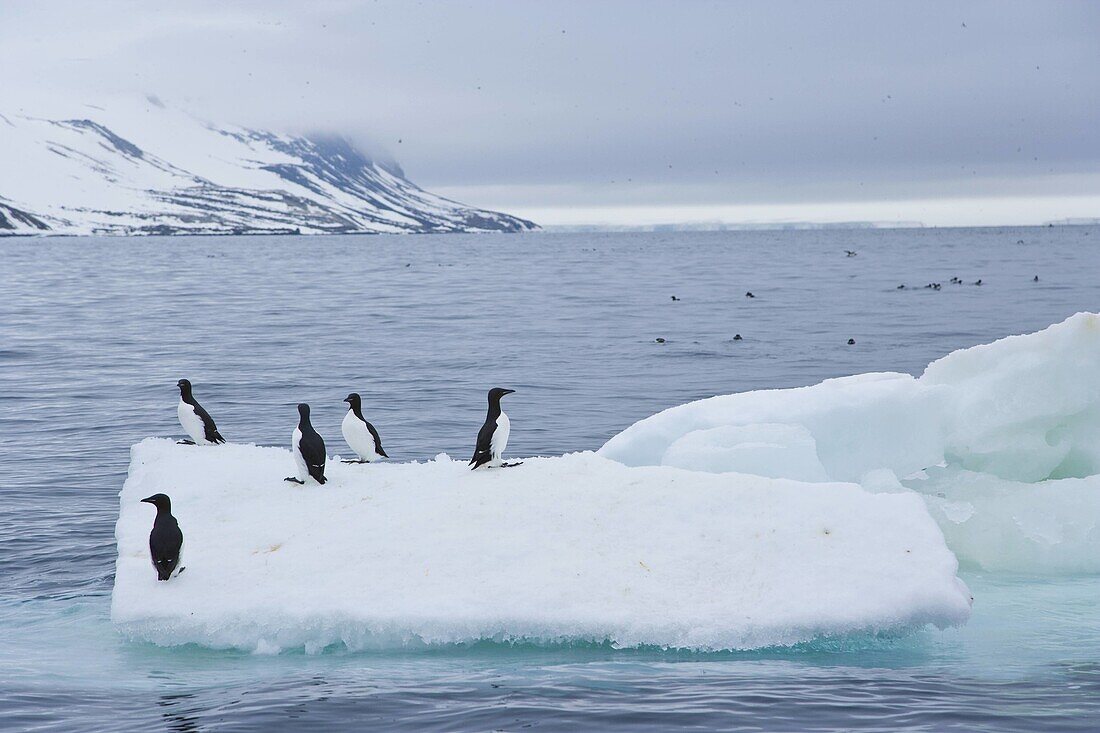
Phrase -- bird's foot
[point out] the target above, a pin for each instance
(348, 460)
(293, 480)
(512, 464)
(185, 442)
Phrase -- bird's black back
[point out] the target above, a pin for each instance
(483, 451)
(208, 426)
(165, 543)
(377, 440)
(312, 447)
(357, 408)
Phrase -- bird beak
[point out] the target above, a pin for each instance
(509, 391)
(147, 500)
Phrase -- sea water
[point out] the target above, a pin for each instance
(95, 333)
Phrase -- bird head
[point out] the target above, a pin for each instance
(160, 501)
(497, 392)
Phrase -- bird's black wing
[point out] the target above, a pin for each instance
(165, 543)
(483, 452)
(377, 440)
(313, 451)
(208, 426)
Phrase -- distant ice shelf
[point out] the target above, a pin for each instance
(145, 169)
(578, 548)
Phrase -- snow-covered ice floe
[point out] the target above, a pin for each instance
(1002, 442)
(579, 548)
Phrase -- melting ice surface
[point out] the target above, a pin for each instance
(1002, 441)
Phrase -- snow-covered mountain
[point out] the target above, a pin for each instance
(160, 171)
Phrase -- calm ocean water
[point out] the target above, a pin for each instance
(95, 333)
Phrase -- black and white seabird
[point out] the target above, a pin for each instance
(308, 449)
(166, 539)
(360, 434)
(196, 421)
(492, 439)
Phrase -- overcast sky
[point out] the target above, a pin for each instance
(946, 112)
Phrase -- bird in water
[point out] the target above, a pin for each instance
(308, 449)
(360, 434)
(166, 539)
(850, 253)
(195, 420)
(749, 295)
(492, 439)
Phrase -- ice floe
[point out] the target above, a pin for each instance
(578, 548)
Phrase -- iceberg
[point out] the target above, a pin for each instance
(1002, 442)
(573, 549)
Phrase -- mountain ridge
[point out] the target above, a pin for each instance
(164, 172)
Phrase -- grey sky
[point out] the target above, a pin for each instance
(580, 110)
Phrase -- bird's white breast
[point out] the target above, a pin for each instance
(296, 449)
(358, 437)
(192, 423)
(499, 440)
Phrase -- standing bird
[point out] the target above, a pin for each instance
(492, 439)
(360, 434)
(195, 420)
(166, 539)
(308, 449)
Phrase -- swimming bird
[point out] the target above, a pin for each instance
(195, 420)
(851, 342)
(850, 253)
(308, 449)
(749, 295)
(166, 539)
(492, 439)
(360, 434)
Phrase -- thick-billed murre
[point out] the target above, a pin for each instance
(492, 439)
(166, 539)
(196, 421)
(308, 449)
(360, 434)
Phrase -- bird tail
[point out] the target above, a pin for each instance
(217, 438)
(318, 474)
(480, 459)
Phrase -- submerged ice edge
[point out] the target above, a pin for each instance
(1002, 441)
(352, 636)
